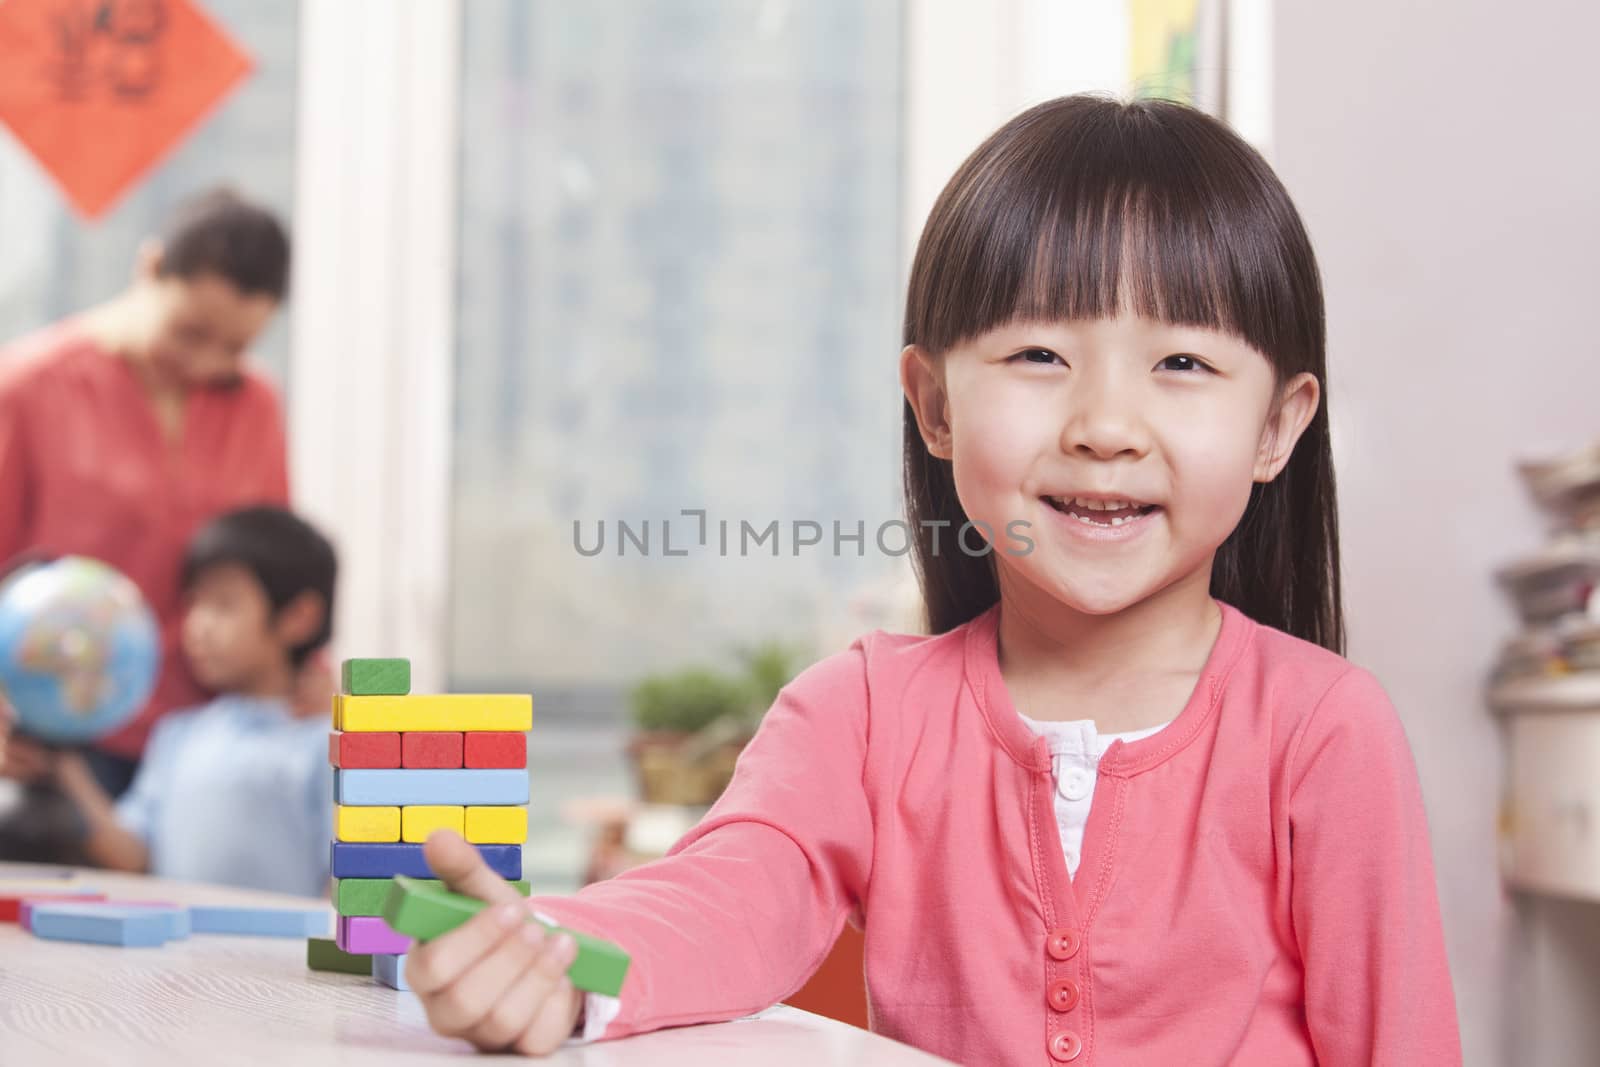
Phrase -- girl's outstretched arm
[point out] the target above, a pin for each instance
(746, 905)
(1364, 901)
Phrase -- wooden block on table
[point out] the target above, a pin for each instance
(375, 677)
(176, 915)
(496, 825)
(390, 969)
(366, 823)
(264, 922)
(417, 821)
(129, 927)
(21, 907)
(11, 903)
(323, 954)
(369, 935)
(441, 711)
(365, 896)
(406, 787)
(495, 748)
(424, 912)
(356, 860)
(430, 748)
(363, 749)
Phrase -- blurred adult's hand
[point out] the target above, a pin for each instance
(22, 759)
(315, 687)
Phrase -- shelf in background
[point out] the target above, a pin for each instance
(1578, 691)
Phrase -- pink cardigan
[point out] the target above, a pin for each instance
(1256, 886)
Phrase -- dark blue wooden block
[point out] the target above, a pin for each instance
(361, 860)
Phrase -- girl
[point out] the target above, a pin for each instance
(1128, 805)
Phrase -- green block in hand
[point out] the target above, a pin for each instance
(424, 911)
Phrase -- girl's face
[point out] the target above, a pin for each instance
(1123, 449)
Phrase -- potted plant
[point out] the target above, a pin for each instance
(691, 724)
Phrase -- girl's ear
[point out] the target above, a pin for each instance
(299, 620)
(922, 378)
(1293, 412)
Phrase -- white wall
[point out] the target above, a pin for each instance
(1444, 160)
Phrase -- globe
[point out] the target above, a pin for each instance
(79, 648)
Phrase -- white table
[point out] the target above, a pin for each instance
(247, 1000)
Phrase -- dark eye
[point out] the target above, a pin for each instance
(1041, 356)
(1183, 362)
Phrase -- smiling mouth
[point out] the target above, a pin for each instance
(1093, 512)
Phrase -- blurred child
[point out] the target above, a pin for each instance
(238, 790)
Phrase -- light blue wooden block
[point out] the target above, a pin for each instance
(390, 969)
(403, 787)
(130, 927)
(266, 922)
(176, 915)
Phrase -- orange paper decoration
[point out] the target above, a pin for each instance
(100, 90)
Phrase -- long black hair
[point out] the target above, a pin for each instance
(1051, 216)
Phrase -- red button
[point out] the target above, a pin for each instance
(1063, 994)
(1065, 1046)
(1062, 944)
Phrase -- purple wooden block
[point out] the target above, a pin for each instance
(369, 935)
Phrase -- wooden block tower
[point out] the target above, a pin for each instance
(406, 765)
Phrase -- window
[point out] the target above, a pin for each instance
(680, 239)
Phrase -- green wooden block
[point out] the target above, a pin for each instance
(375, 677)
(323, 955)
(365, 896)
(424, 911)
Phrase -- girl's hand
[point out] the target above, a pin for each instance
(497, 979)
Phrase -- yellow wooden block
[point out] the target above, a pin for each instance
(497, 826)
(360, 823)
(441, 711)
(338, 711)
(417, 821)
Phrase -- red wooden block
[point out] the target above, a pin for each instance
(430, 748)
(364, 750)
(492, 748)
(11, 906)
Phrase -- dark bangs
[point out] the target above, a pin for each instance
(1086, 207)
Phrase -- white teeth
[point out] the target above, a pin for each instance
(1118, 521)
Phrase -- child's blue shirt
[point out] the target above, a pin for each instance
(238, 791)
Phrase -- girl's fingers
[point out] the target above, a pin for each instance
(440, 962)
(437, 964)
(461, 867)
(522, 1001)
(552, 1024)
(461, 1007)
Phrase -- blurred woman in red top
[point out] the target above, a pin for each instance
(127, 426)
